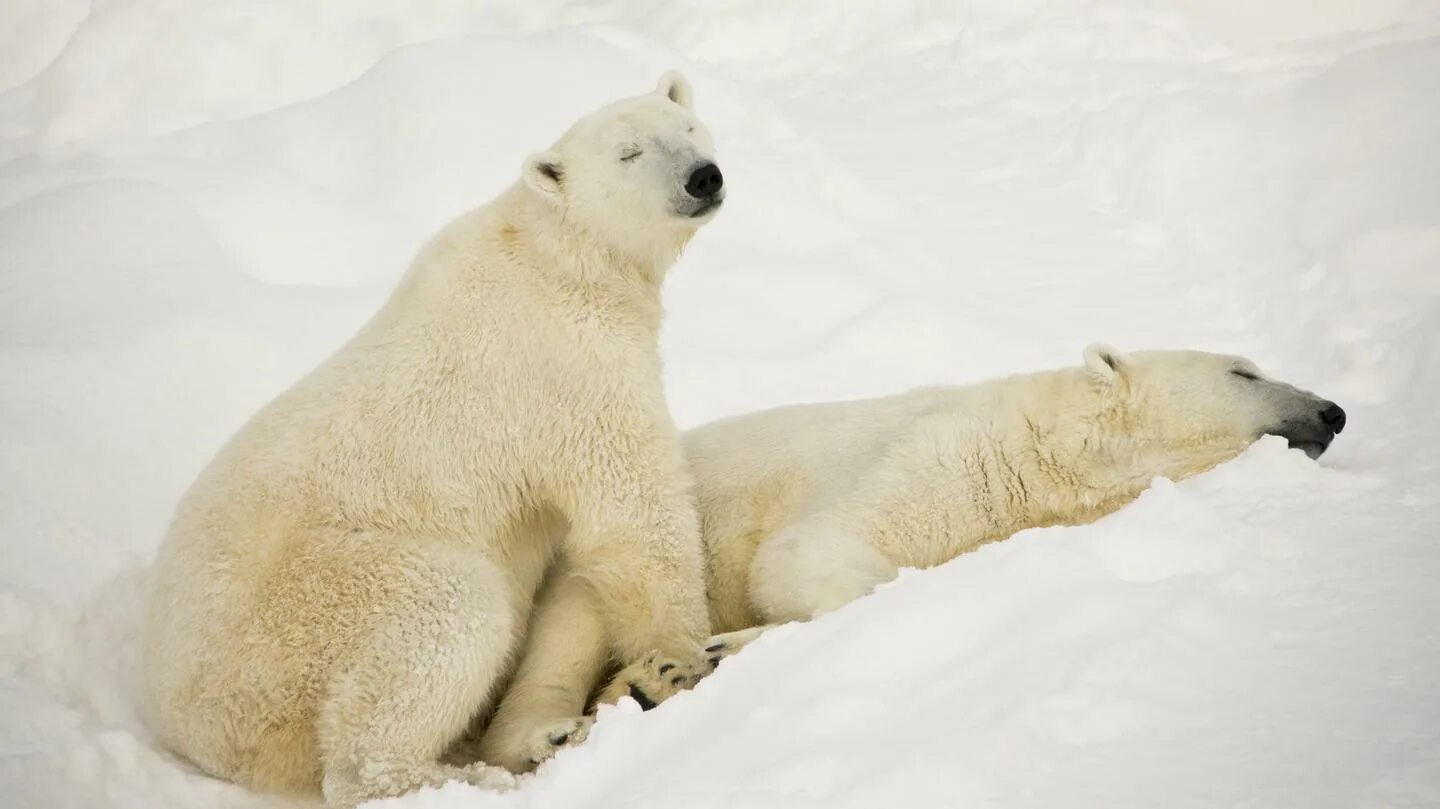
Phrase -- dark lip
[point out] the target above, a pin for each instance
(1314, 449)
(1308, 436)
(706, 208)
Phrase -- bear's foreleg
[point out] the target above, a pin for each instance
(566, 654)
(635, 538)
(812, 567)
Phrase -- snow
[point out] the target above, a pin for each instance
(199, 201)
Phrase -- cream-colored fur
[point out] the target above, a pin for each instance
(345, 585)
(806, 508)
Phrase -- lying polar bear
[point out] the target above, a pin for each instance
(808, 507)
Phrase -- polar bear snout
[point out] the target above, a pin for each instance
(705, 181)
(1334, 417)
(706, 188)
(1313, 434)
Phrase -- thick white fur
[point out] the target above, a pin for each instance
(806, 508)
(344, 586)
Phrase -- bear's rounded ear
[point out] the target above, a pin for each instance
(544, 174)
(1104, 363)
(676, 87)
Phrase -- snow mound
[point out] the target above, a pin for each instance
(921, 193)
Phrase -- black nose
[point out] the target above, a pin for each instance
(1333, 416)
(705, 181)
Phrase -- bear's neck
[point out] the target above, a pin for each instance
(1081, 454)
(1085, 453)
(616, 275)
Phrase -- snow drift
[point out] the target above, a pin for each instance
(197, 203)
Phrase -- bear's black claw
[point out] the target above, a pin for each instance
(641, 697)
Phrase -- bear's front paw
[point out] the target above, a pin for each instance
(655, 679)
(722, 646)
(546, 738)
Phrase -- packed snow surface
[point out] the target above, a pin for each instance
(199, 201)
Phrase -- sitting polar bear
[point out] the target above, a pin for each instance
(805, 508)
(348, 581)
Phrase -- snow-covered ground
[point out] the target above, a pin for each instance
(198, 201)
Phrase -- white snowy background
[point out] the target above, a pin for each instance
(200, 200)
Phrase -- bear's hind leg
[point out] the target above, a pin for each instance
(408, 688)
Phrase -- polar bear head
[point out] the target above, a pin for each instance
(1193, 409)
(638, 174)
